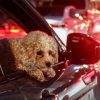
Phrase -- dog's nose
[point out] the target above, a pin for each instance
(48, 64)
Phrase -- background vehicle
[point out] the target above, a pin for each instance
(21, 17)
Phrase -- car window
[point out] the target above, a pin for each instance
(12, 26)
(9, 28)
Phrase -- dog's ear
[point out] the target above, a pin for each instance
(14, 45)
(14, 41)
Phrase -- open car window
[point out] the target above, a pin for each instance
(10, 28)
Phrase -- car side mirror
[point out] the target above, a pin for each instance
(82, 49)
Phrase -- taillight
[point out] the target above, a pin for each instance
(10, 29)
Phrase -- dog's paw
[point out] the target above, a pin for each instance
(50, 73)
(37, 74)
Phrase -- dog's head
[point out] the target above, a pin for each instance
(42, 51)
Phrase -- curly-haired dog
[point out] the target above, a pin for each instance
(35, 54)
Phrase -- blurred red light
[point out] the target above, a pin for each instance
(14, 30)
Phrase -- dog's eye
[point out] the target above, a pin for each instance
(39, 52)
